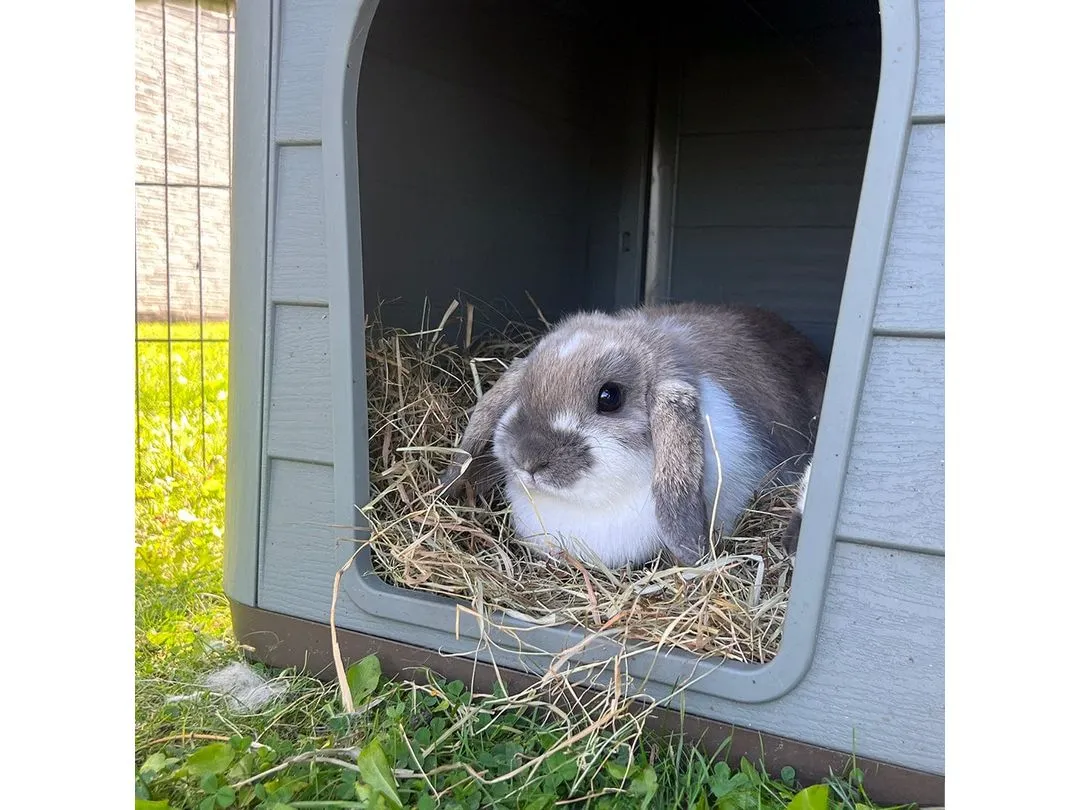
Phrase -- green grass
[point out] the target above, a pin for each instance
(410, 739)
(179, 500)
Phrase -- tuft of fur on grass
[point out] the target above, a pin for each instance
(420, 387)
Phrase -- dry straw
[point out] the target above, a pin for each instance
(420, 387)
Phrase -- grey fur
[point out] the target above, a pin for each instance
(791, 532)
(772, 373)
(678, 471)
(476, 439)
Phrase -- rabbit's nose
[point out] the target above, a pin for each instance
(529, 465)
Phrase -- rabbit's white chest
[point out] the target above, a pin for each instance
(622, 529)
(612, 518)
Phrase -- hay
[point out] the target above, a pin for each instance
(420, 386)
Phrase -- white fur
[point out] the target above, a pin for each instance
(611, 516)
(742, 462)
(613, 521)
(674, 325)
(504, 420)
(579, 339)
(564, 420)
(803, 484)
(620, 533)
(243, 687)
(570, 345)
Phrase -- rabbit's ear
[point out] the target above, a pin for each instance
(471, 459)
(675, 424)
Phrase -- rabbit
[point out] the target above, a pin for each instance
(600, 435)
(791, 531)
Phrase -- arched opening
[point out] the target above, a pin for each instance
(595, 154)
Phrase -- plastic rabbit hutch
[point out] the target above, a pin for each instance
(599, 154)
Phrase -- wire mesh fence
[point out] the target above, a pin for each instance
(184, 55)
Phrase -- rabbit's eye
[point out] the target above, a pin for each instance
(610, 398)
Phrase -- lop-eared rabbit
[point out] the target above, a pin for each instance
(612, 435)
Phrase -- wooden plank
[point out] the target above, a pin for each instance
(796, 272)
(913, 288)
(298, 262)
(895, 486)
(303, 32)
(299, 546)
(806, 178)
(930, 80)
(300, 424)
(756, 83)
